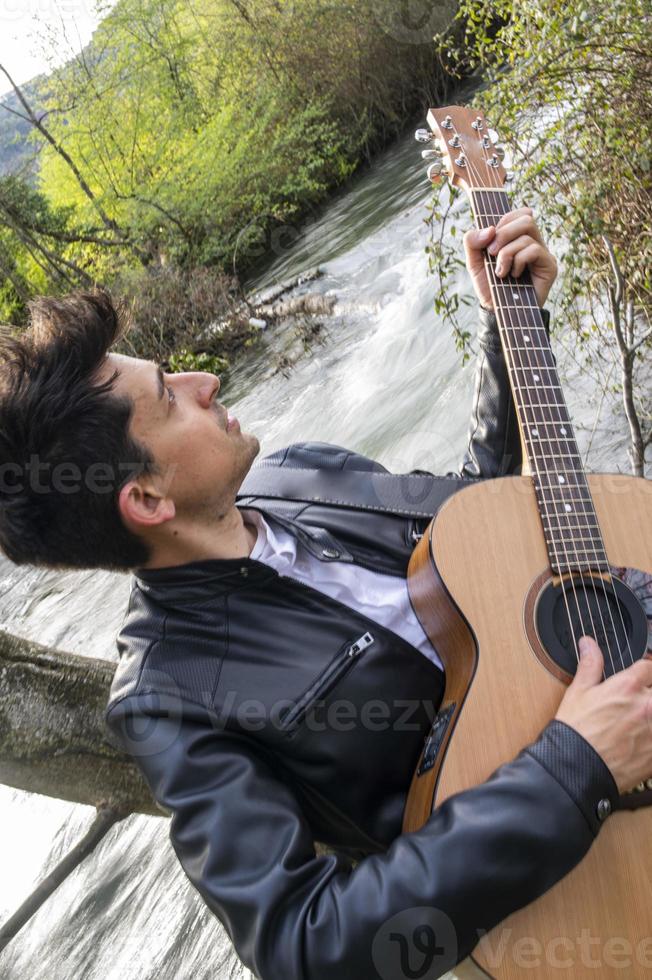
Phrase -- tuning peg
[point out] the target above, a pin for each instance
(436, 172)
(423, 136)
(509, 176)
(434, 154)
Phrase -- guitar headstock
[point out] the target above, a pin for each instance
(463, 148)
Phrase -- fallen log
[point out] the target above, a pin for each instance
(53, 738)
(311, 304)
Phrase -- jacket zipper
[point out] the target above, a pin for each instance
(326, 680)
(374, 624)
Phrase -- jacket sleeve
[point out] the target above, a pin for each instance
(242, 840)
(494, 447)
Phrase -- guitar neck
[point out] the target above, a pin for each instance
(570, 523)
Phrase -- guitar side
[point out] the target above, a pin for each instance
(468, 580)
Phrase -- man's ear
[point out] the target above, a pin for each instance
(142, 505)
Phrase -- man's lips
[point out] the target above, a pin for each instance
(228, 422)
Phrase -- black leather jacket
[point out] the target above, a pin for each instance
(265, 716)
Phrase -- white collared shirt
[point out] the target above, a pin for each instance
(382, 598)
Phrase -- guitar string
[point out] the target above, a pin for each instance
(583, 484)
(511, 361)
(560, 407)
(499, 291)
(500, 287)
(545, 477)
(507, 343)
(547, 498)
(544, 471)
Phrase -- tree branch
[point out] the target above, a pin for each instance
(105, 818)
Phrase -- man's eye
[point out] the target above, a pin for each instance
(171, 397)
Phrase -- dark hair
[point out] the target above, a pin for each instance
(65, 447)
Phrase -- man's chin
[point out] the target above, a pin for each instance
(253, 448)
(254, 443)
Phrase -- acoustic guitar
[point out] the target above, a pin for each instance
(509, 574)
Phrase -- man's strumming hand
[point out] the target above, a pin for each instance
(516, 242)
(615, 716)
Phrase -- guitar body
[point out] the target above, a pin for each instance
(475, 580)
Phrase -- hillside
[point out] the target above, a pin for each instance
(16, 152)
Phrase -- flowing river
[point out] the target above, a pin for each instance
(384, 378)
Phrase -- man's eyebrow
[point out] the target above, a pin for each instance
(160, 381)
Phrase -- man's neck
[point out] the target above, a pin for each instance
(225, 537)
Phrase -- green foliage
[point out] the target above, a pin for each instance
(29, 256)
(185, 360)
(190, 135)
(443, 263)
(570, 85)
(188, 120)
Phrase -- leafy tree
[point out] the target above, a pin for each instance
(571, 82)
(192, 135)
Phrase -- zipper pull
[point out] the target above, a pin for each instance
(360, 644)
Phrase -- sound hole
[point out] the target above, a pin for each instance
(616, 611)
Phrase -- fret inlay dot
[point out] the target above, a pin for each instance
(535, 432)
(536, 377)
(568, 507)
(561, 479)
(526, 338)
(515, 296)
(563, 430)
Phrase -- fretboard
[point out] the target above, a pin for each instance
(570, 523)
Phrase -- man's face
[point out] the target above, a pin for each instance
(201, 453)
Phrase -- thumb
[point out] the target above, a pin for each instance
(591, 665)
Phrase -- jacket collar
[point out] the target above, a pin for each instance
(200, 579)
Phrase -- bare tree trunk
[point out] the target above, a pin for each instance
(627, 348)
(53, 738)
(101, 825)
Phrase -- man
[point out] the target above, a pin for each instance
(274, 686)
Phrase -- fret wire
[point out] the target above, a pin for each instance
(582, 537)
(574, 457)
(565, 497)
(585, 551)
(572, 500)
(575, 517)
(579, 523)
(550, 405)
(584, 563)
(583, 567)
(539, 387)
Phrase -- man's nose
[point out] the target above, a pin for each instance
(208, 386)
